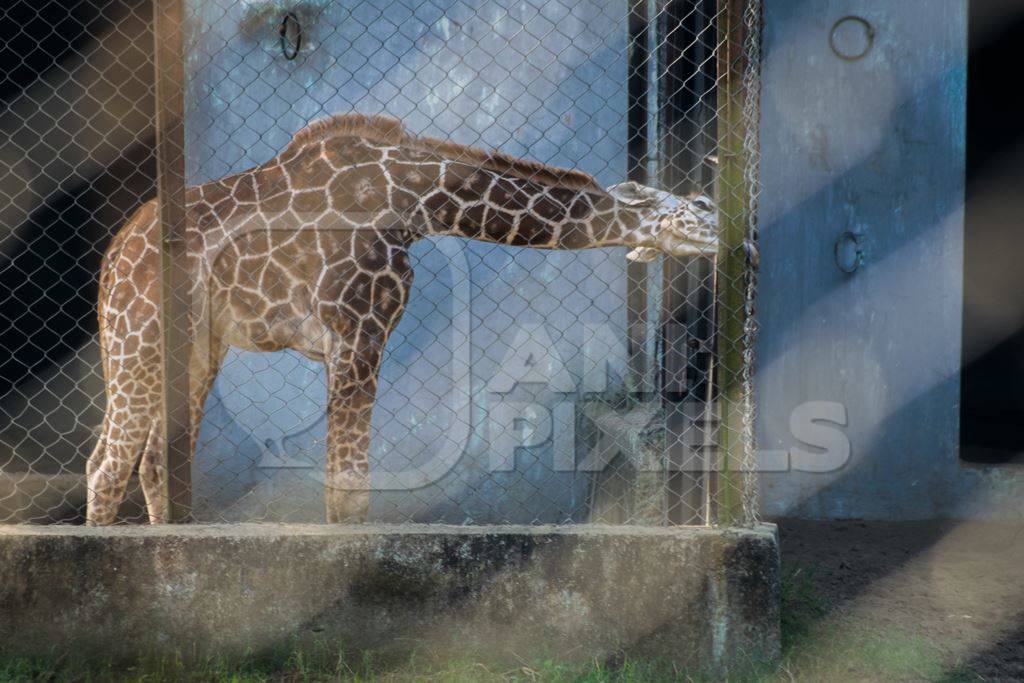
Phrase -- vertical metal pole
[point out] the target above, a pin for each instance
(637, 121)
(733, 216)
(175, 286)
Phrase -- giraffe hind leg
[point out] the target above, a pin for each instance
(99, 451)
(153, 476)
(152, 468)
(111, 464)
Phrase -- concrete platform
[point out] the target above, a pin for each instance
(705, 598)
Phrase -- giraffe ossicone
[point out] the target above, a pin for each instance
(309, 252)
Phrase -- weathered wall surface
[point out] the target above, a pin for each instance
(700, 597)
(873, 145)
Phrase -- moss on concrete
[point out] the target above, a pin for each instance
(695, 597)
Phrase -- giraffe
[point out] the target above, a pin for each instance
(308, 251)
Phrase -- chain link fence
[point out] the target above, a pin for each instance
(520, 385)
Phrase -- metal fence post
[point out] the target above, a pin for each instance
(734, 218)
(175, 285)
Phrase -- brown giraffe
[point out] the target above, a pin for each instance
(308, 252)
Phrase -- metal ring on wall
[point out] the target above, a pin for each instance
(850, 48)
(290, 32)
(849, 254)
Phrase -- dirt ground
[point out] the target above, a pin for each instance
(954, 587)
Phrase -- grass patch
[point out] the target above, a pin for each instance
(326, 665)
(833, 653)
(844, 651)
(802, 606)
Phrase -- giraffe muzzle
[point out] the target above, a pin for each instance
(675, 242)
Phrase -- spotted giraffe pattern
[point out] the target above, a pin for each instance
(309, 252)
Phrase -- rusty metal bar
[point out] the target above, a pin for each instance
(175, 287)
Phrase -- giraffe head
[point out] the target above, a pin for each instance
(678, 226)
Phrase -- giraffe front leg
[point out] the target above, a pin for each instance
(358, 332)
(350, 406)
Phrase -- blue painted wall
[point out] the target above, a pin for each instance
(875, 146)
(540, 80)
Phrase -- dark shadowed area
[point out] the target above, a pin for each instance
(76, 158)
(993, 393)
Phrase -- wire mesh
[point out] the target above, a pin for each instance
(519, 385)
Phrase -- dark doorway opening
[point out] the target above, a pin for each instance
(992, 406)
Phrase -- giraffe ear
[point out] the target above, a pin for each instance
(633, 194)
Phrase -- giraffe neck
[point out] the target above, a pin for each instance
(529, 206)
(454, 197)
(482, 204)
